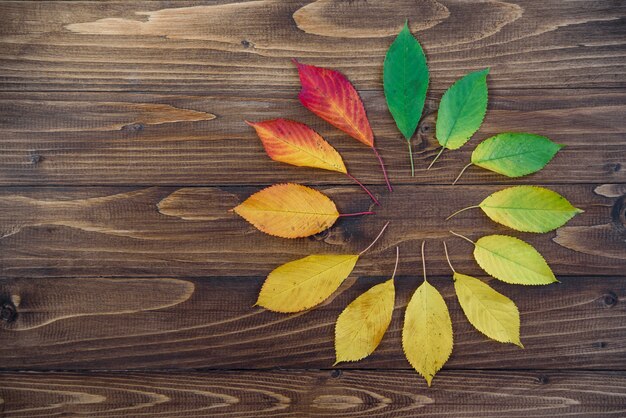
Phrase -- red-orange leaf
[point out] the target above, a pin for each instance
(295, 143)
(330, 95)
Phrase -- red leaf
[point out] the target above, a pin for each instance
(330, 95)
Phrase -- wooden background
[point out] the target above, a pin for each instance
(126, 285)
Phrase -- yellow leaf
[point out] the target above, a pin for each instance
(289, 211)
(427, 332)
(362, 325)
(305, 283)
(488, 311)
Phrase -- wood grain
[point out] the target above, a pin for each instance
(314, 394)
(190, 232)
(174, 139)
(199, 45)
(122, 323)
(123, 148)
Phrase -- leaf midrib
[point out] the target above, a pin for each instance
(528, 209)
(295, 212)
(507, 156)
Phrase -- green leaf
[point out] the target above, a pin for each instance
(489, 311)
(512, 260)
(405, 80)
(462, 110)
(515, 154)
(529, 208)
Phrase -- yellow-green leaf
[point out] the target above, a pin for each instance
(512, 260)
(362, 325)
(427, 332)
(488, 311)
(529, 208)
(515, 154)
(305, 283)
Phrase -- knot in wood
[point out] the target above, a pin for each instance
(8, 312)
(35, 158)
(133, 127)
(610, 299)
(336, 374)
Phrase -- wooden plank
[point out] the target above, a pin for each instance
(191, 232)
(147, 323)
(159, 139)
(314, 394)
(194, 46)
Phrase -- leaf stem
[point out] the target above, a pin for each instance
(445, 248)
(393, 275)
(375, 239)
(423, 260)
(345, 215)
(382, 165)
(364, 188)
(408, 142)
(436, 158)
(461, 173)
(462, 210)
(462, 236)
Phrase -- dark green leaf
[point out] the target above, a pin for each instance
(405, 79)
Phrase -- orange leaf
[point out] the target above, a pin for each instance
(289, 211)
(295, 143)
(330, 95)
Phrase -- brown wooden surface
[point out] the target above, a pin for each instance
(126, 285)
(319, 393)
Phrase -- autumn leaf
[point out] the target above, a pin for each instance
(290, 211)
(363, 323)
(461, 111)
(297, 144)
(405, 81)
(511, 260)
(305, 283)
(302, 284)
(513, 154)
(489, 311)
(527, 208)
(427, 338)
(331, 96)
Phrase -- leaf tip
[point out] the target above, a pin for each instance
(296, 62)
(518, 343)
(249, 123)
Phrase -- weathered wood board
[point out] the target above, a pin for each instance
(127, 285)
